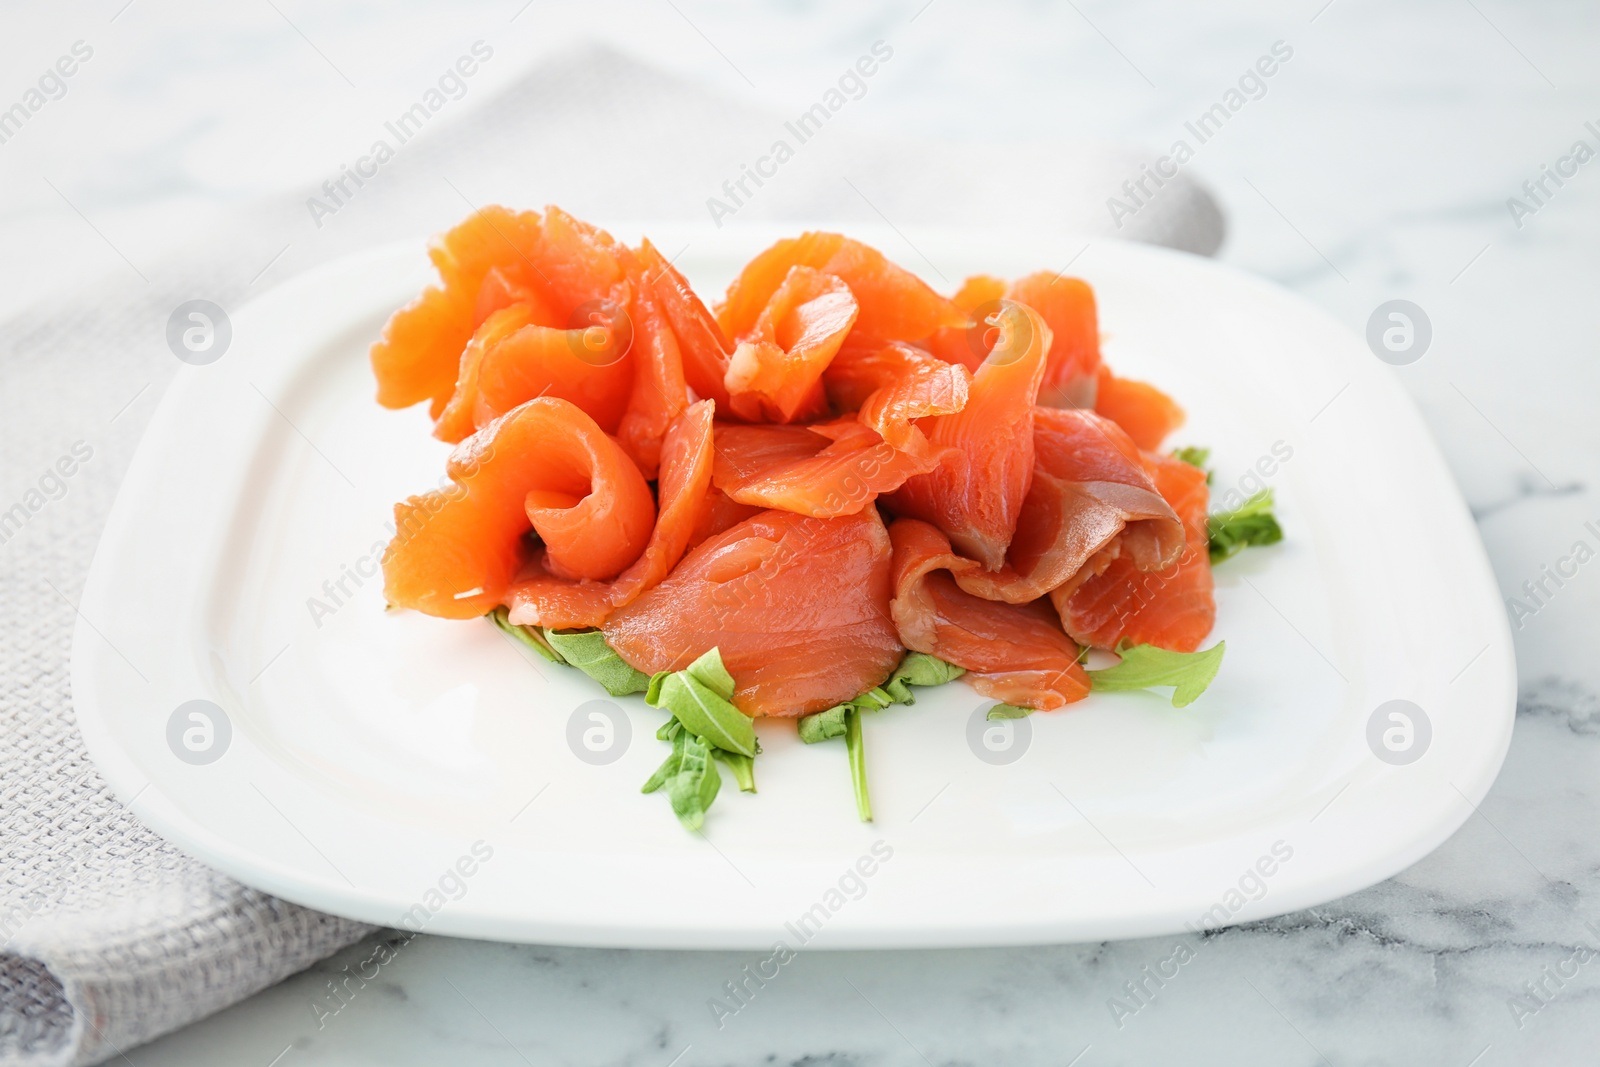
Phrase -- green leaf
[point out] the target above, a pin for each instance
(587, 650)
(700, 697)
(918, 668)
(858, 763)
(1194, 457)
(1252, 523)
(527, 635)
(824, 725)
(669, 766)
(1008, 711)
(692, 789)
(1144, 666)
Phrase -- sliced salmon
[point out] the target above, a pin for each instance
(1067, 306)
(701, 343)
(775, 373)
(719, 512)
(968, 345)
(503, 288)
(483, 264)
(823, 470)
(1173, 608)
(511, 359)
(1092, 501)
(1147, 413)
(543, 466)
(660, 393)
(895, 304)
(976, 494)
(893, 385)
(799, 608)
(686, 453)
(1016, 653)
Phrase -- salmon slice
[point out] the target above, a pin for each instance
(1147, 413)
(798, 606)
(892, 385)
(1067, 306)
(1092, 501)
(544, 466)
(660, 393)
(502, 289)
(562, 261)
(685, 477)
(775, 373)
(1173, 608)
(975, 496)
(704, 348)
(979, 297)
(719, 512)
(1016, 653)
(511, 360)
(895, 304)
(823, 470)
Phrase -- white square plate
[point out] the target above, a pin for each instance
(369, 752)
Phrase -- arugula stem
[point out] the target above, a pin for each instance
(743, 768)
(858, 763)
(528, 635)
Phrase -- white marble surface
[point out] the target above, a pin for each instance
(1377, 165)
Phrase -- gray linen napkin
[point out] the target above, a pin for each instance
(109, 936)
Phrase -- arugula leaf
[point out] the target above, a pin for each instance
(531, 636)
(1008, 711)
(701, 697)
(825, 725)
(1194, 457)
(918, 668)
(1252, 523)
(705, 729)
(844, 720)
(587, 650)
(696, 784)
(1144, 666)
(669, 766)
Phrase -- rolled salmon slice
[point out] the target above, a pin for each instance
(1092, 501)
(543, 466)
(824, 470)
(485, 264)
(775, 373)
(660, 393)
(1174, 608)
(798, 606)
(975, 496)
(1067, 306)
(970, 344)
(704, 348)
(891, 386)
(1016, 653)
(1145, 412)
(543, 600)
(511, 359)
(895, 304)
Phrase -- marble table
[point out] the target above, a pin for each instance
(1377, 163)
